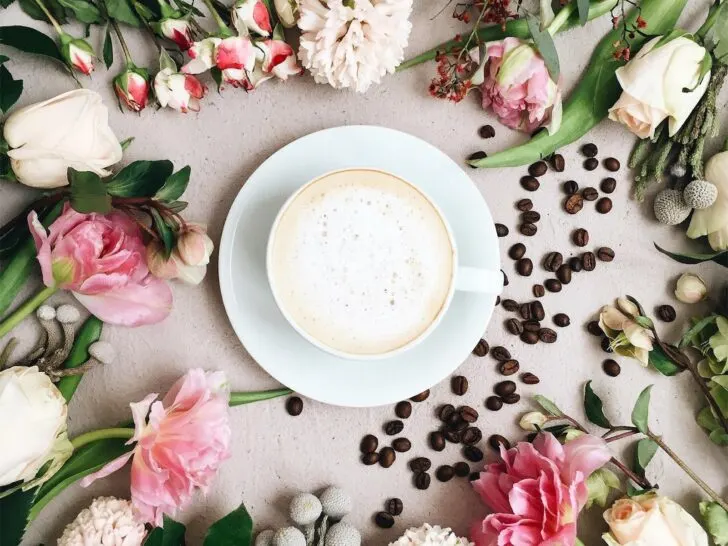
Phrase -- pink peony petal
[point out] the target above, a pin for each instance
(42, 244)
(108, 469)
(139, 411)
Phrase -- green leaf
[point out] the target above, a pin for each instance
(172, 533)
(6, 3)
(108, 51)
(662, 363)
(175, 185)
(166, 234)
(216, 74)
(140, 178)
(544, 42)
(10, 89)
(122, 12)
(126, 143)
(583, 7)
(599, 484)
(720, 258)
(706, 419)
(645, 322)
(689, 337)
(594, 408)
(643, 454)
(641, 411)
(88, 192)
(30, 40)
(89, 333)
(235, 529)
(548, 406)
(30, 7)
(14, 511)
(633, 491)
(716, 522)
(177, 206)
(719, 437)
(85, 11)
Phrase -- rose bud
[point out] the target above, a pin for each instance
(532, 421)
(178, 31)
(181, 92)
(194, 245)
(78, 53)
(690, 288)
(279, 59)
(132, 88)
(235, 56)
(252, 15)
(202, 55)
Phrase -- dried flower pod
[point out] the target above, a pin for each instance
(288, 536)
(343, 534)
(102, 351)
(67, 314)
(336, 502)
(305, 509)
(670, 207)
(700, 194)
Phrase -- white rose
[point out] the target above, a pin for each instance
(32, 426)
(70, 130)
(652, 86)
(652, 520)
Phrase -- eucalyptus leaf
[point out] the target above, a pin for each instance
(30, 40)
(108, 51)
(583, 7)
(122, 11)
(720, 257)
(662, 363)
(140, 178)
(643, 454)
(10, 89)
(548, 406)
(84, 11)
(641, 411)
(175, 185)
(235, 529)
(172, 533)
(716, 522)
(544, 42)
(594, 408)
(88, 192)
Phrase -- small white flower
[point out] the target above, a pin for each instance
(532, 421)
(107, 522)
(690, 288)
(430, 535)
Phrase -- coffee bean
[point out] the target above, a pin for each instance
(591, 163)
(387, 456)
(517, 251)
(501, 230)
(500, 353)
(563, 273)
(493, 403)
(538, 290)
(562, 320)
(547, 335)
(452, 436)
(588, 261)
(474, 476)
(530, 217)
(394, 506)
(552, 285)
(461, 469)
(496, 441)
(571, 187)
(589, 150)
(424, 395)
(608, 185)
(605, 254)
(553, 261)
(537, 310)
(589, 194)
(512, 398)
(459, 385)
(475, 156)
(294, 406)
(612, 164)
(403, 409)
(504, 388)
(369, 444)
(575, 264)
(580, 237)
(529, 183)
(486, 131)
(402, 445)
(510, 305)
(420, 464)
(558, 163)
(530, 379)
(509, 367)
(594, 329)
(456, 423)
(607, 345)
(445, 473)
(437, 440)
(468, 414)
(530, 338)
(531, 325)
(529, 230)
(524, 267)
(538, 169)
(370, 458)
(611, 368)
(393, 427)
(473, 454)
(604, 205)
(481, 349)
(445, 412)
(666, 313)
(384, 520)
(514, 326)
(505, 278)
(524, 205)
(526, 311)
(472, 435)
(422, 480)
(574, 203)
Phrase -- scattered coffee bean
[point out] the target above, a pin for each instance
(591, 163)
(590, 150)
(530, 379)
(517, 251)
(459, 385)
(547, 335)
(393, 427)
(530, 217)
(403, 409)
(453, 436)
(422, 480)
(529, 230)
(538, 169)
(562, 320)
(571, 187)
(493, 403)
(512, 398)
(402, 445)
(461, 469)
(384, 520)
(612, 164)
(604, 205)
(608, 185)
(496, 441)
(666, 313)
(420, 464)
(501, 230)
(424, 395)
(563, 273)
(530, 338)
(475, 156)
(473, 454)
(611, 368)
(537, 310)
(605, 254)
(369, 444)
(574, 203)
(481, 349)
(514, 326)
(588, 261)
(529, 183)
(524, 267)
(594, 329)
(589, 194)
(510, 305)
(526, 311)
(387, 456)
(437, 440)
(505, 278)
(370, 458)
(472, 435)
(580, 237)
(468, 414)
(394, 506)
(553, 261)
(531, 325)
(500, 353)
(575, 264)
(509, 367)
(486, 131)
(552, 285)
(524, 205)
(505, 388)
(607, 345)
(457, 423)
(294, 406)
(539, 291)
(445, 411)
(558, 163)
(445, 473)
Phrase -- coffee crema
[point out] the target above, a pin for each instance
(361, 261)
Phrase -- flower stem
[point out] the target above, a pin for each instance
(103, 434)
(223, 28)
(124, 47)
(25, 309)
(561, 18)
(52, 19)
(240, 398)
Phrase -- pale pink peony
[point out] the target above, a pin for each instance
(102, 260)
(537, 491)
(516, 85)
(179, 448)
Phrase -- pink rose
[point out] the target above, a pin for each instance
(516, 85)
(179, 448)
(178, 31)
(252, 15)
(235, 56)
(279, 59)
(102, 260)
(537, 491)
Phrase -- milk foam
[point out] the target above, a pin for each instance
(362, 262)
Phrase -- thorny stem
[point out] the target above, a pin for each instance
(124, 47)
(52, 19)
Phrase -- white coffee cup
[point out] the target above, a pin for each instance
(389, 239)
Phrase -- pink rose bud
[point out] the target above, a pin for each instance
(177, 30)
(202, 55)
(158, 264)
(279, 59)
(194, 246)
(235, 56)
(252, 15)
(132, 88)
(78, 53)
(181, 92)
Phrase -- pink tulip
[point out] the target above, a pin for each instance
(537, 491)
(180, 444)
(279, 59)
(101, 259)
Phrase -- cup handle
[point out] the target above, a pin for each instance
(472, 279)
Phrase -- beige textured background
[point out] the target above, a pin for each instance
(275, 455)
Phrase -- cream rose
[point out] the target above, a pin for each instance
(652, 86)
(651, 520)
(70, 130)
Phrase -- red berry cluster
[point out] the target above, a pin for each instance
(452, 81)
(487, 11)
(622, 47)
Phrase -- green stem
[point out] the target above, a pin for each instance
(103, 434)
(124, 47)
(240, 398)
(222, 27)
(561, 18)
(25, 309)
(52, 19)
(709, 22)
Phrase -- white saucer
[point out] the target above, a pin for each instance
(266, 334)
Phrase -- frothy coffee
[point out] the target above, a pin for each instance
(361, 261)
